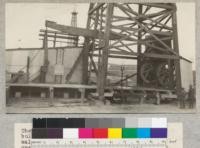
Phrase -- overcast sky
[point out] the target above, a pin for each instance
(24, 20)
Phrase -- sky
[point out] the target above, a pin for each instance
(24, 20)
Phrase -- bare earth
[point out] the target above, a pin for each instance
(36, 105)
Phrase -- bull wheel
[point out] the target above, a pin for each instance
(163, 74)
(147, 73)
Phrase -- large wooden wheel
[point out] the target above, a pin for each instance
(147, 73)
(163, 75)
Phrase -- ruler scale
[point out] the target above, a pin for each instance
(95, 143)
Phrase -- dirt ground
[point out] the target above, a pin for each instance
(38, 105)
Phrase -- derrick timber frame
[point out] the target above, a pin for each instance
(146, 32)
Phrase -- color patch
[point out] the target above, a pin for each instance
(85, 133)
(114, 133)
(143, 133)
(159, 133)
(117, 122)
(131, 122)
(105, 123)
(91, 122)
(65, 122)
(39, 123)
(159, 122)
(55, 133)
(38, 133)
(100, 133)
(129, 133)
(70, 133)
(144, 123)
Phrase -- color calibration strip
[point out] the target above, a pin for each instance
(174, 140)
(111, 133)
(99, 122)
(111, 128)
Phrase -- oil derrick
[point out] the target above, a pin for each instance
(74, 19)
(74, 42)
(145, 32)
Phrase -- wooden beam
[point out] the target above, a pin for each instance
(124, 45)
(142, 41)
(53, 32)
(168, 19)
(159, 21)
(146, 10)
(156, 47)
(123, 52)
(131, 10)
(128, 77)
(126, 9)
(95, 8)
(49, 48)
(160, 5)
(59, 36)
(124, 28)
(72, 30)
(160, 56)
(76, 31)
(93, 64)
(117, 56)
(160, 41)
(142, 17)
(69, 75)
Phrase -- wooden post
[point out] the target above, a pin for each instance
(28, 69)
(82, 90)
(176, 49)
(86, 52)
(45, 44)
(158, 98)
(104, 59)
(139, 49)
(51, 96)
(46, 62)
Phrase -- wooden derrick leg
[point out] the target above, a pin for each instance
(139, 47)
(177, 62)
(86, 52)
(104, 62)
